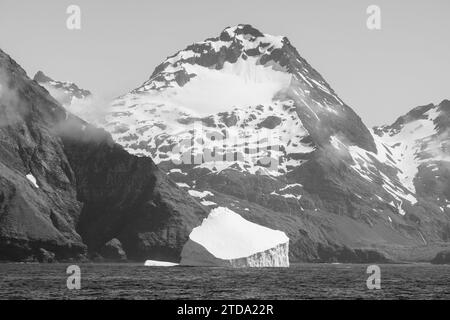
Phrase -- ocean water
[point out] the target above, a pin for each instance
(301, 281)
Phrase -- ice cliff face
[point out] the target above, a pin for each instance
(227, 239)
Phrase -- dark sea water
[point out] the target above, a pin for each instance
(301, 281)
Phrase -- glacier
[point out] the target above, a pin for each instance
(225, 239)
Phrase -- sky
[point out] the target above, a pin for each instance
(381, 74)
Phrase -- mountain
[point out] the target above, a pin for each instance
(242, 121)
(419, 145)
(67, 191)
(66, 92)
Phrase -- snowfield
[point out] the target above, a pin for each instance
(415, 141)
(407, 143)
(33, 180)
(225, 237)
(246, 83)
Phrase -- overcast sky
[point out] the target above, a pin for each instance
(380, 74)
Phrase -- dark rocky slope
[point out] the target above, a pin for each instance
(66, 189)
(442, 257)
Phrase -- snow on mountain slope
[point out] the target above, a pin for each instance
(416, 139)
(171, 135)
(225, 238)
(33, 180)
(371, 167)
(240, 68)
(65, 92)
(246, 82)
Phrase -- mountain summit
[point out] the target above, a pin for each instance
(66, 91)
(243, 67)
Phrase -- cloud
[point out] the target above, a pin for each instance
(92, 109)
(12, 108)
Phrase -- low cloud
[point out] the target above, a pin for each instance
(11, 106)
(92, 109)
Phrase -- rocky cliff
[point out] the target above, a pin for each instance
(66, 189)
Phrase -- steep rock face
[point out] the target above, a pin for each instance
(40, 215)
(67, 188)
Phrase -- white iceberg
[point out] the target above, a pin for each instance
(227, 239)
(156, 263)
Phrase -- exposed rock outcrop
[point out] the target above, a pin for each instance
(112, 250)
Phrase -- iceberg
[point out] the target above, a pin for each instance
(155, 263)
(226, 239)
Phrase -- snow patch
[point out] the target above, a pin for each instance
(33, 180)
(409, 141)
(198, 194)
(208, 203)
(183, 185)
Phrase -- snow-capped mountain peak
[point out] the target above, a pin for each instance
(63, 91)
(241, 41)
(253, 66)
(241, 59)
(246, 96)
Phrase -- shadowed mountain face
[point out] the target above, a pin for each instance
(66, 188)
